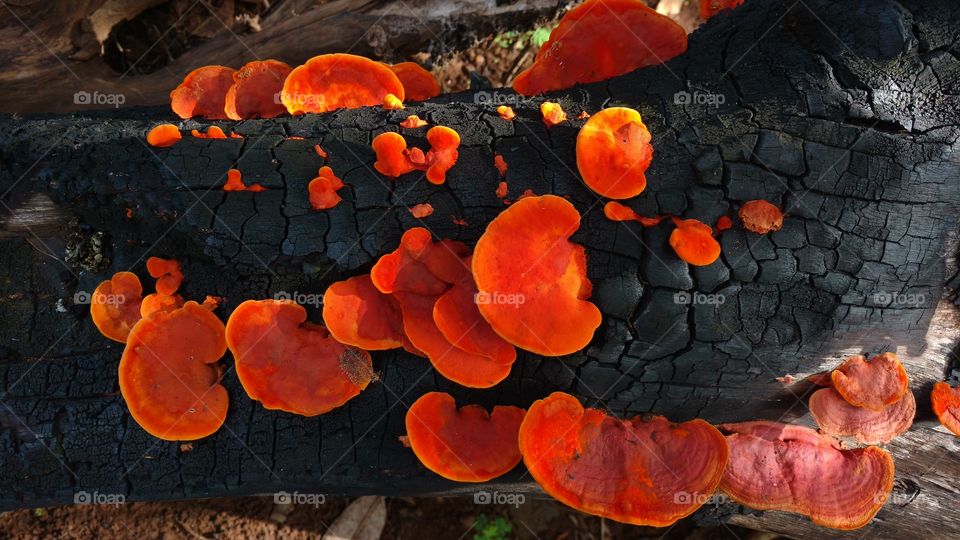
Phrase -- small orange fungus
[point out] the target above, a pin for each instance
(553, 113)
(235, 183)
(392, 103)
(421, 210)
(164, 135)
(115, 305)
(323, 189)
(506, 112)
(615, 211)
(614, 152)
(213, 132)
(168, 274)
(693, 242)
(500, 164)
(412, 122)
(760, 216)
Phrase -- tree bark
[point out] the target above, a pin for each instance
(845, 114)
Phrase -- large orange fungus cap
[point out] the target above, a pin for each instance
(358, 314)
(644, 470)
(168, 377)
(874, 384)
(466, 444)
(946, 405)
(693, 242)
(600, 39)
(255, 88)
(115, 305)
(418, 83)
(333, 81)
(776, 466)
(203, 92)
(289, 364)
(532, 280)
(420, 265)
(838, 418)
(613, 153)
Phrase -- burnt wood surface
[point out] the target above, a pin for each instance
(844, 113)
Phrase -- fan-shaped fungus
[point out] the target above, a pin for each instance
(255, 88)
(777, 466)
(614, 152)
(553, 113)
(167, 272)
(694, 242)
(412, 122)
(532, 280)
(289, 364)
(421, 210)
(392, 155)
(465, 444)
(419, 265)
(709, 8)
(332, 81)
(443, 153)
(323, 189)
(115, 305)
(615, 211)
(164, 135)
(418, 83)
(663, 471)
(874, 384)
(168, 377)
(203, 92)
(760, 216)
(358, 314)
(946, 405)
(506, 112)
(600, 39)
(838, 418)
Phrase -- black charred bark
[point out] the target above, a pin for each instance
(846, 114)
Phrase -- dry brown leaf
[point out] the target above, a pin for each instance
(363, 519)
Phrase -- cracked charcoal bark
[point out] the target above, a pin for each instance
(846, 114)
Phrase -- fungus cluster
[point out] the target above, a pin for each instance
(323, 189)
(395, 159)
(776, 466)
(466, 444)
(643, 470)
(868, 400)
(600, 39)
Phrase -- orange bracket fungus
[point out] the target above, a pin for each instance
(292, 365)
(615, 211)
(235, 183)
(203, 92)
(946, 405)
(838, 418)
(600, 39)
(115, 305)
(466, 444)
(776, 466)
(694, 242)
(168, 377)
(645, 470)
(164, 135)
(874, 384)
(333, 81)
(552, 113)
(506, 112)
(760, 216)
(421, 210)
(412, 122)
(724, 223)
(419, 265)
(255, 88)
(357, 313)
(443, 153)
(323, 189)
(213, 132)
(392, 155)
(614, 152)
(709, 8)
(532, 280)
(168, 274)
(418, 83)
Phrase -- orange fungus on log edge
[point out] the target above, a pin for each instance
(392, 155)
(533, 280)
(412, 122)
(255, 88)
(838, 418)
(506, 112)
(693, 242)
(289, 364)
(115, 305)
(466, 444)
(664, 471)
(168, 377)
(332, 81)
(203, 93)
(163, 136)
(776, 466)
(874, 384)
(443, 153)
(946, 405)
(614, 152)
(418, 83)
(600, 39)
(553, 113)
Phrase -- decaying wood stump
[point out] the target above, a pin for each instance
(845, 113)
